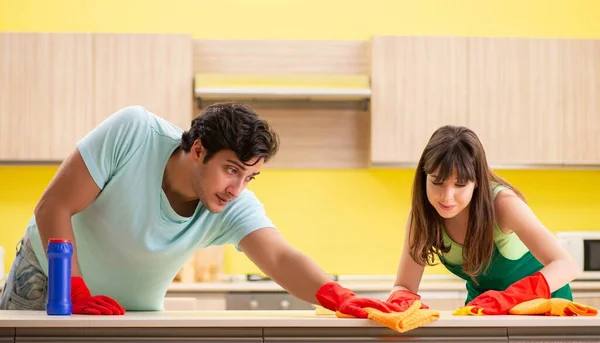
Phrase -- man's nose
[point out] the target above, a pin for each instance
(235, 189)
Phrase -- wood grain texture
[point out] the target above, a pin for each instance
(418, 85)
(515, 102)
(46, 92)
(55, 88)
(152, 70)
(280, 57)
(580, 98)
(317, 135)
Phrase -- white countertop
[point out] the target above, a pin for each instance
(268, 319)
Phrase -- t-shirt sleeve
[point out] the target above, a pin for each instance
(113, 142)
(245, 215)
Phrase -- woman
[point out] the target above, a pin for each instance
(480, 228)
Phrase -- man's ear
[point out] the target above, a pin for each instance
(197, 149)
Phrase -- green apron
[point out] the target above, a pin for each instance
(503, 273)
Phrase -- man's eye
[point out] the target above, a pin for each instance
(231, 170)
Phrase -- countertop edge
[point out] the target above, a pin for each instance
(273, 319)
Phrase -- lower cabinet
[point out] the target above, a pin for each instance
(358, 335)
(562, 334)
(7, 335)
(154, 335)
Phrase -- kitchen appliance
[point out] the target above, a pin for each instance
(584, 247)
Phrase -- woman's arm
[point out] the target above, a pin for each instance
(409, 272)
(515, 215)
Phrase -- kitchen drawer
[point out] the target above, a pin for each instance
(265, 301)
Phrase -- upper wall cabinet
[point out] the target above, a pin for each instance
(152, 70)
(46, 94)
(313, 93)
(418, 84)
(532, 102)
(536, 101)
(515, 103)
(54, 88)
(580, 99)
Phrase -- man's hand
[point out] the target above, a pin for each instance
(85, 303)
(336, 298)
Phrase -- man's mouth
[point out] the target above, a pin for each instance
(223, 201)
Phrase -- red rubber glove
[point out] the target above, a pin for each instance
(500, 302)
(85, 303)
(405, 299)
(334, 297)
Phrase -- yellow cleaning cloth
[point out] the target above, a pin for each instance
(540, 306)
(553, 307)
(410, 319)
(467, 311)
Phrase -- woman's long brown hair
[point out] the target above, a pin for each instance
(455, 148)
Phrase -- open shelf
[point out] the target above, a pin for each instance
(282, 87)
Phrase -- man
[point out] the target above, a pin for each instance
(138, 196)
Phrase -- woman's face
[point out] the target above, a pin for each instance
(450, 197)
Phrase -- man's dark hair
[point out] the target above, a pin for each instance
(235, 127)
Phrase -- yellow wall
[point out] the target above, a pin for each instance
(351, 222)
(310, 19)
(315, 210)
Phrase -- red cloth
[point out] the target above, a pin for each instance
(500, 302)
(85, 303)
(336, 298)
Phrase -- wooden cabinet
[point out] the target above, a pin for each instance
(54, 88)
(152, 70)
(530, 101)
(580, 99)
(138, 332)
(514, 99)
(418, 84)
(46, 93)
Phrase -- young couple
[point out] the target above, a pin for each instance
(138, 195)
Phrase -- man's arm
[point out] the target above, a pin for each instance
(288, 267)
(70, 191)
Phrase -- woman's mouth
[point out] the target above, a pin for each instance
(446, 207)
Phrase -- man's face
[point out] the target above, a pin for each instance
(222, 178)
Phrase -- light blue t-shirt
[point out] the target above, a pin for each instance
(130, 242)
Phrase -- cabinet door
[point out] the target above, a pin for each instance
(580, 99)
(515, 99)
(151, 70)
(46, 94)
(418, 84)
(138, 333)
(359, 334)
